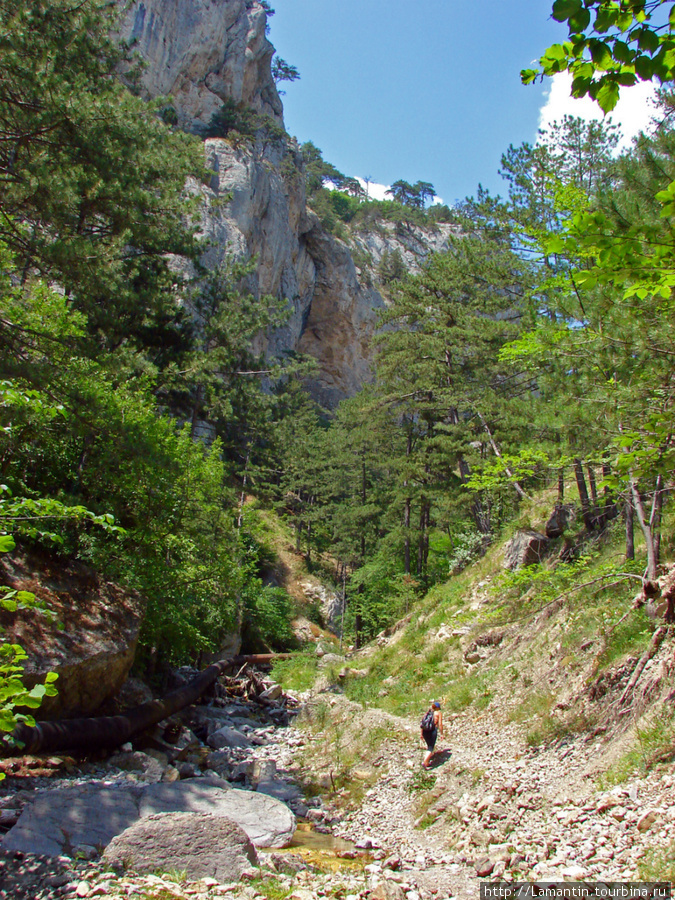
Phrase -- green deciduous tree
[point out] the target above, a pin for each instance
(612, 44)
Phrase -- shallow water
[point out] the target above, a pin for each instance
(306, 838)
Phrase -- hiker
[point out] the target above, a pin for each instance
(430, 727)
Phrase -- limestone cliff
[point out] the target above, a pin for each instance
(201, 53)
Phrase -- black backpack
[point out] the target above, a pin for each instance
(427, 723)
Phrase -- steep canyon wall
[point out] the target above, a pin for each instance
(201, 53)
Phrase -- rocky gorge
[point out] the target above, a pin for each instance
(202, 54)
(491, 808)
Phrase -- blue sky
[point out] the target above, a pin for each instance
(416, 90)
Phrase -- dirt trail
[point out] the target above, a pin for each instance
(494, 806)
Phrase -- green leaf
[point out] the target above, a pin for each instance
(644, 67)
(555, 245)
(555, 52)
(605, 19)
(622, 52)
(648, 40)
(624, 21)
(626, 79)
(671, 16)
(601, 55)
(580, 21)
(607, 95)
(527, 76)
(580, 86)
(7, 543)
(563, 9)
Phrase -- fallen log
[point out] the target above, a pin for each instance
(111, 731)
(260, 659)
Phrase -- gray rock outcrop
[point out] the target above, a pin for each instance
(200, 53)
(199, 844)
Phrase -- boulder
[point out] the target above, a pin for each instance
(201, 845)
(524, 549)
(62, 820)
(266, 821)
(148, 767)
(227, 737)
(559, 520)
(89, 637)
(484, 867)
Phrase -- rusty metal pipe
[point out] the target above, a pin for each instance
(111, 731)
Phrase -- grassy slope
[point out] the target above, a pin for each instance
(545, 647)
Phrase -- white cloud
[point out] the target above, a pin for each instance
(632, 113)
(375, 191)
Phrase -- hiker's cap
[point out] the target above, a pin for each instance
(436, 704)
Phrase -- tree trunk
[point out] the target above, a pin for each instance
(363, 501)
(358, 624)
(111, 731)
(630, 534)
(655, 516)
(593, 484)
(308, 555)
(406, 544)
(583, 495)
(423, 539)
(652, 559)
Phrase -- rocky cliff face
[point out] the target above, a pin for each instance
(201, 53)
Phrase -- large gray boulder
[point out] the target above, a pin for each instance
(62, 820)
(228, 737)
(200, 844)
(266, 821)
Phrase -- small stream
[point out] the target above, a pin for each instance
(307, 838)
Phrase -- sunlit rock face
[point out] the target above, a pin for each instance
(201, 53)
(332, 317)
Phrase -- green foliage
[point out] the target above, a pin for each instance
(421, 782)
(283, 71)
(233, 116)
(658, 864)
(297, 673)
(240, 123)
(391, 267)
(611, 45)
(110, 176)
(654, 745)
(415, 195)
